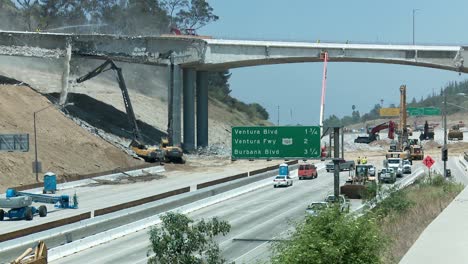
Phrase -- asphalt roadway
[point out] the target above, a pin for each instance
(104, 195)
(256, 218)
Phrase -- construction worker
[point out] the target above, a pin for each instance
(359, 160)
(364, 160)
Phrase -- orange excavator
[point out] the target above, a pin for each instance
(373, 132)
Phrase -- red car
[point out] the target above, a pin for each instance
(307, 171)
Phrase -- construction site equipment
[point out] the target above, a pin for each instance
(172, 153)
(50, 183)
(373, 132)
(149, 154)
(455, 133)
(358, 183)
(20, 207)
(428, 133)
(416, 152)
(39, 256)
(402, 128)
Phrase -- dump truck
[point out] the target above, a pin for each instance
(455, 133)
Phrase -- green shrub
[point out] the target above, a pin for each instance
(332, 237)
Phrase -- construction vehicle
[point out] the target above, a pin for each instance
(428, 133)
(39, 256)
(149, 154)
(455, 133)
(172, 153)
(20, 203)
(416, 152)
(373, 132)
(358, 183)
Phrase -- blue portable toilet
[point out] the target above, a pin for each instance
(284, 169)
(50, 182)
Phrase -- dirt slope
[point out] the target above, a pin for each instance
(63, 146)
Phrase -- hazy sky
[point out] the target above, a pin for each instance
(296, 88)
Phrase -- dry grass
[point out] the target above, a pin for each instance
(404, 228)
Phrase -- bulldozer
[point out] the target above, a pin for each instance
(416, 152)
(455, 133)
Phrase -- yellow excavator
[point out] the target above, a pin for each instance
(149, 154)
(172, 153)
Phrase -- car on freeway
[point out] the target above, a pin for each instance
(343, 202)
(282, 180)
(315, 208)
(307, 171)
(406, 167)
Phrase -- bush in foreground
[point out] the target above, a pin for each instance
(180, 240)
(332, 237)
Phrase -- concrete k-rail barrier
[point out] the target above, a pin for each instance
(118, 215)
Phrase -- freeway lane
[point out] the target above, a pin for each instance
(101, 196)
(262, 214)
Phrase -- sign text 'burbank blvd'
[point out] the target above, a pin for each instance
(275, 142)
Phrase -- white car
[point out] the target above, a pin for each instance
(282, 180)
(372, 171)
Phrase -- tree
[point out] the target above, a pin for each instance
(189, 15)
(180, 240)
(332, 237)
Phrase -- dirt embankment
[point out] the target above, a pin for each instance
(63, 146)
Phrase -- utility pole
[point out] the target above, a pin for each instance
(445, 132)
(278, 116)
(414, 11)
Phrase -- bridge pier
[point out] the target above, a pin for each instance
(202, 109)
(174, 99)
(65, 73)
(189, 81)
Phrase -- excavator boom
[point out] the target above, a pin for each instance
(137, 143)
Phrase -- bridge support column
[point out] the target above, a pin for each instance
(65, 74)
(202, 109)
(175, 94)
(189, 109)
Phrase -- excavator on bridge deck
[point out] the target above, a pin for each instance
(165, 152)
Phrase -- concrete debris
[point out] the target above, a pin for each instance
(219, 150)
(31, 52)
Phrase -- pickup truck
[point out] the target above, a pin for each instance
(387, 175)
(344, 165)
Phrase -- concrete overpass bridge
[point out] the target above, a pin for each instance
(190, 59)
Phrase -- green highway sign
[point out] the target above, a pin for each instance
(275, 142)
(420, 111)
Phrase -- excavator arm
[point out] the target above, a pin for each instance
(110, 65)
(391, 129)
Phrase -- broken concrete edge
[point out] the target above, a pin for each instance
(16, 246)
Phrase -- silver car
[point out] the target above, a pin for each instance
(282, 180)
